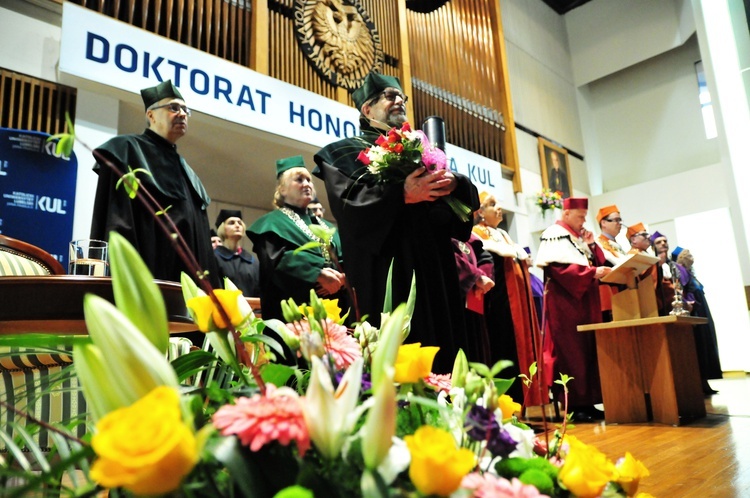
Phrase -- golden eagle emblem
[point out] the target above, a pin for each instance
(340, 40)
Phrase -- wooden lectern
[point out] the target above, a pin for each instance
(639, 299)
(647, 363)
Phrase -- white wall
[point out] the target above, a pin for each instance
(30, 40)
(710, 239)
(607, 36)
(647, 122)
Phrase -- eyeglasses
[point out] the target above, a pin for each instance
(613, 220)
(174, 107)
(391, 95)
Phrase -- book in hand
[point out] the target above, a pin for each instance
(633, 264)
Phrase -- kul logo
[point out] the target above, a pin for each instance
(50, 205)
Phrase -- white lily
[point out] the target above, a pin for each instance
(391, 336)
(136, 294)
(331, 415)
(102, 395)
(127, 366)
(380, 425)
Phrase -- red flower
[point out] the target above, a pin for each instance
(405, 127)
(393, 136)
(362, 157)
(398, 148)
(381, 140)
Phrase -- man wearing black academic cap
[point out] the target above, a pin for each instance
(399, 222)
(235, 262)
(171, 181)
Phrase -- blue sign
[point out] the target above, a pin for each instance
(39, 190)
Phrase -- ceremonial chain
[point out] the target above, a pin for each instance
(306, 230)
(492, 234)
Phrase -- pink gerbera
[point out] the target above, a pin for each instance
(490, 486)
(343, 348)
(259, 420)
(439, 382)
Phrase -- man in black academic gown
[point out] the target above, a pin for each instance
(172, 182)
(399, 222)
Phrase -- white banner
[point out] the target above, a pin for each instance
(110, 52)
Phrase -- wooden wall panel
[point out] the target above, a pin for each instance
(28, 103)
(457, 71)
(218, 27)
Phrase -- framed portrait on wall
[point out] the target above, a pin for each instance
(555, 168)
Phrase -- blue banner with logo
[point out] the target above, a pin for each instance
(39, 189)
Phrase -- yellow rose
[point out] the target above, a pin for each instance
(586, 470)
(331, 306)
(629, 473)
(508, 406)
(413, 363)
(145, 447)
(437, 466)
(204, 310)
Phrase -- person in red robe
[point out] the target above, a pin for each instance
(573, 264)
(509, 307)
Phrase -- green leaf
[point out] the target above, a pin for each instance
(502, 385)
(19, 458)
(323, 232)
(49, 343)
(309, 245)
(269, 341)
(388, 299)
(245, 474)
(187, 365)
(373, 485)
(295, 491)
(163, 211)
(136, 294)
(276, 374)
(500, 366)
(481, 369)
(33, 448)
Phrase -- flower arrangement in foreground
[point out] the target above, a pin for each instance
(330, 413)
(547, 199)
(399, 152)
(351, 413)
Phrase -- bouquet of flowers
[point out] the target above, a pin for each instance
(354, 413)
(548, 199)
(399, 152)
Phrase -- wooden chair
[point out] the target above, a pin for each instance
(42, 384)
(21, 258)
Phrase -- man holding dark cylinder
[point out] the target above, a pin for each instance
(398, 222)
